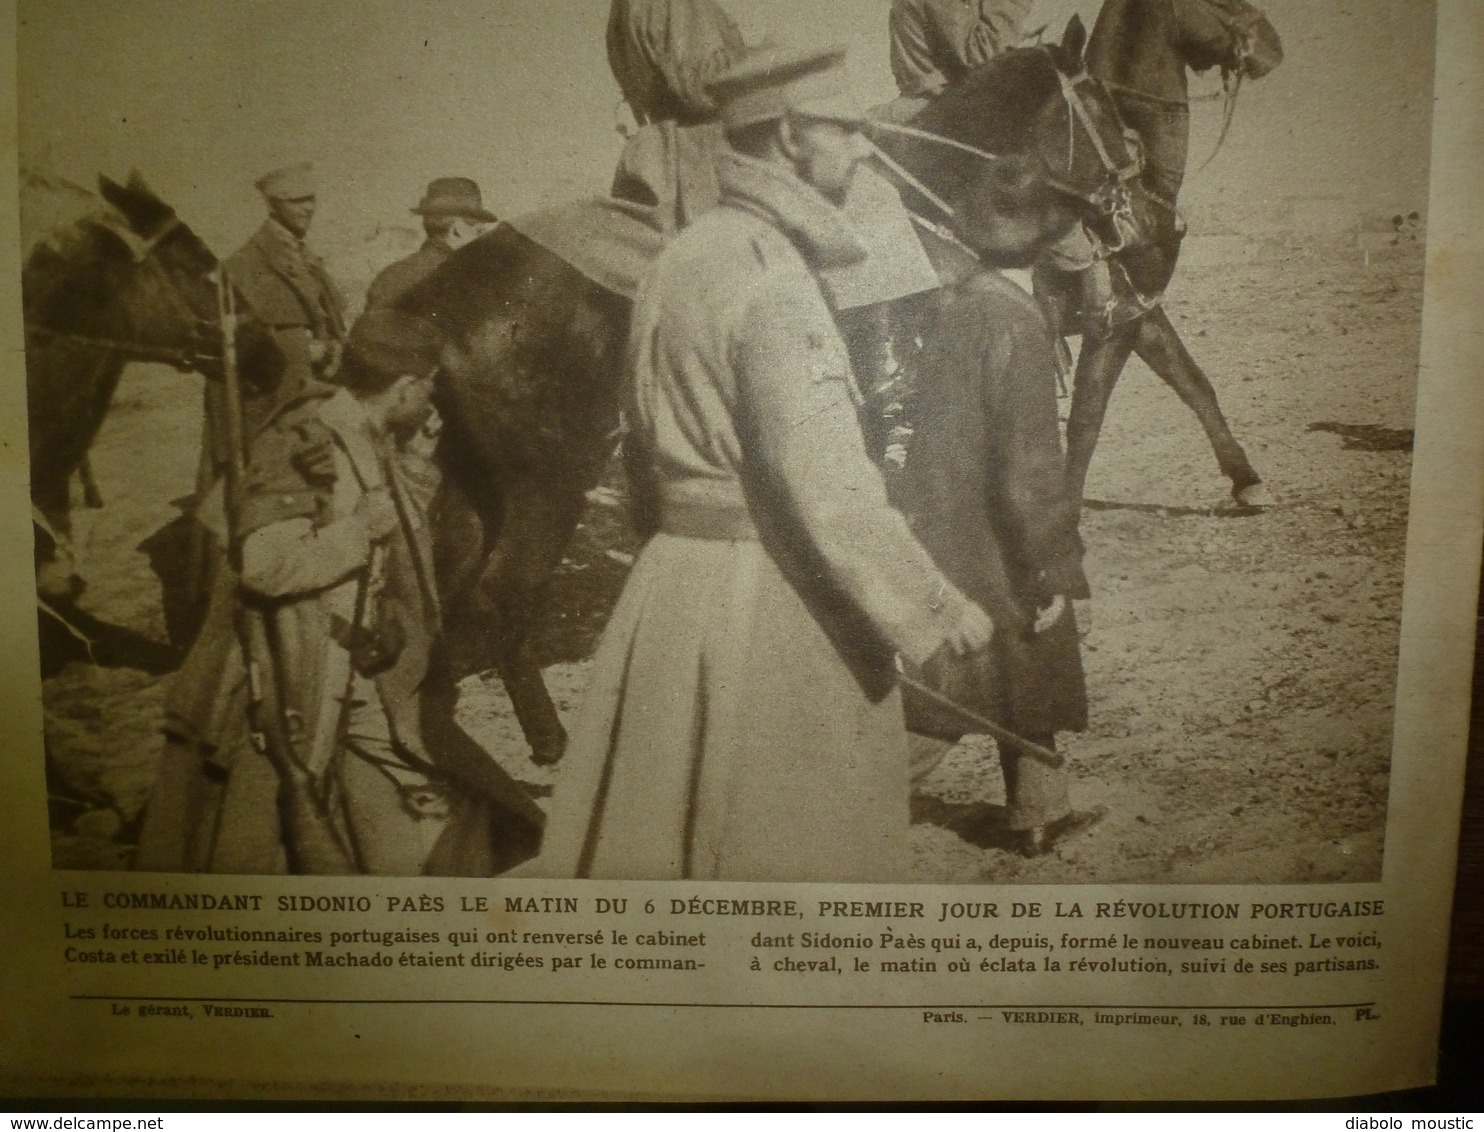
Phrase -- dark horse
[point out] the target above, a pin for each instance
(1140, 50)
(128, 283)
(1017, 153)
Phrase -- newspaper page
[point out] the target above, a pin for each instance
(274, 785)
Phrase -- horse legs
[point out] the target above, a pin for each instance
(1159, 344)
(535, 524)
(91, 496)
(1098, 368)
(57, 579)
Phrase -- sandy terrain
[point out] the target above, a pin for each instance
(1240, 665)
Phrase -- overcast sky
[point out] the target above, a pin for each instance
(204, 95)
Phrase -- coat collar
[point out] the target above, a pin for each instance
(284, 245)
(275, 233)
(820, 230)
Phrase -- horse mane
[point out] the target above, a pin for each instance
(994, 105)
(73, 273)
(69, 274)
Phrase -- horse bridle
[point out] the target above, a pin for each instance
(1110, 199)
(142, 250)
(1241, 25)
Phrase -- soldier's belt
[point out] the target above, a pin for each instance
(686, 518)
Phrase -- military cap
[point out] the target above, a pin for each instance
(385, 344)
(773, 81)
(292, 182)
(454, 196)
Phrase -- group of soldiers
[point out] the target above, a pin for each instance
(329, 539)
(744, 719)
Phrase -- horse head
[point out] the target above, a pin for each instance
(1020, 150)
(1231, 34)
(163, 281)
(147, 278)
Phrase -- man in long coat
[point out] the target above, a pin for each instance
(284, 281)
(333, 554)
(983, 486)
(453, 214)
(743, 721)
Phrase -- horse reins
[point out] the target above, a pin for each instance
(1161, 100)
(1079, 114)
(1108, 198)
(138, 351)
(1230, 88)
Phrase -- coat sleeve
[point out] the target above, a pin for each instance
(999, 27)
(265, 295)
(935, 41)
(382, 292)
(912, 57)
(290, 543)
(801, 435)
(294, 557)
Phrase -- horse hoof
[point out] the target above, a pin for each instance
(549, 752)
(1255, 495)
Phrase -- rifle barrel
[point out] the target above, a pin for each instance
(987, 726)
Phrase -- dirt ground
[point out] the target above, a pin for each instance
(1240, 665)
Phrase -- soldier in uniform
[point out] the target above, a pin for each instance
(663, 54)
(453, 214)
(285, 283)
(743, 720)
(335, 556)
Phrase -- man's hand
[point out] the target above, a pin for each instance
(1049, 614)
(378, 512)
(324, 355)
(970, 631)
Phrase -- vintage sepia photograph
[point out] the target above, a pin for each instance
(936, 441)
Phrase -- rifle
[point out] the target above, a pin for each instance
(309, 838)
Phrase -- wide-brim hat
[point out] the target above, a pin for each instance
(454, 196)
(291, 182)
(773, 81)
